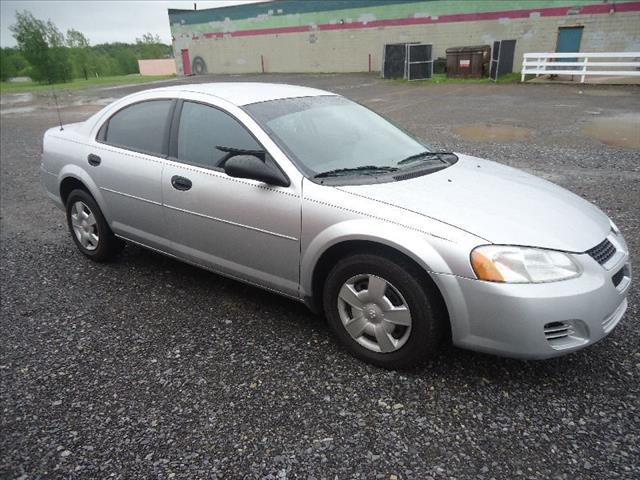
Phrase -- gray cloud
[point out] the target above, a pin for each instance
(102, 21)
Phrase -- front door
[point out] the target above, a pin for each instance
(569, 41)
(186, 63)
(240, 227)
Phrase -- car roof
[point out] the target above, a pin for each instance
(245, 93)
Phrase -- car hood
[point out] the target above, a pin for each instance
(498, 203)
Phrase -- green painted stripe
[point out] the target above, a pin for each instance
(289, 7)
(315, 12)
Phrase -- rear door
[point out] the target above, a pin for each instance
(127, 161)
(241, 227)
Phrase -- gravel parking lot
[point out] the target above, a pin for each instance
(149, 368)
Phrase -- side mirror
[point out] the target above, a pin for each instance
(250, 166)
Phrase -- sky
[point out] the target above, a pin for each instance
(102, 21)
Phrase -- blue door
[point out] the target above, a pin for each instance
(569, 41)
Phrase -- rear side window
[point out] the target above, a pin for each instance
(141, 127)
(203, 128)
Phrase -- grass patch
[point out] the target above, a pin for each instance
(23, 87)
(510, 78)
(442, 78)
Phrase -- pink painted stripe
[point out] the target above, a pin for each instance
(259, 31)
(461, 17)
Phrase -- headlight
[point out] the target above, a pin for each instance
(503, 263)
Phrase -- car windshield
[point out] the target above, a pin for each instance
(333, 136)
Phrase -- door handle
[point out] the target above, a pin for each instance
(180, 183)
(94, 159)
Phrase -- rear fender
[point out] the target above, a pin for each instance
(78, 173)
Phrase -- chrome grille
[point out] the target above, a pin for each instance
(602, 252)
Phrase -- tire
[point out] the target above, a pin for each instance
(199, 67)
(89, 229)
(409, 345)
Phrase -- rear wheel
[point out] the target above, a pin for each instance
(89, 229)
(382, 311)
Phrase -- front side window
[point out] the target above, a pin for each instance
(141, 127)
(203, 129)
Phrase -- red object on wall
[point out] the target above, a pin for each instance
(186, 63)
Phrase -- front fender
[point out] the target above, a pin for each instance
(80, 174)
(418, 246)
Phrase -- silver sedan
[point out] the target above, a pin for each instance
(317, 198)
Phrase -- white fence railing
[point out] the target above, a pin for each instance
(581, 64)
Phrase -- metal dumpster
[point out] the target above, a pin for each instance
(468, 62)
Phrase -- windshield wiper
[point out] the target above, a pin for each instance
(363, 169)
(426, 153)
(239, 151)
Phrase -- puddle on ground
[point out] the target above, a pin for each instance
(621, 131)
(82, 108)
(105, 101)
(487, 132)
(75, 108)
(11, 98)
(9, 111)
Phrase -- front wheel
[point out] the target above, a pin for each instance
(382, 311)
(89, 229)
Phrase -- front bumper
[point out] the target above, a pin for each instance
(537, 321)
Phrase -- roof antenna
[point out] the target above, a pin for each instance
(55, 99)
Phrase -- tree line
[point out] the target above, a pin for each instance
(47, 55)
